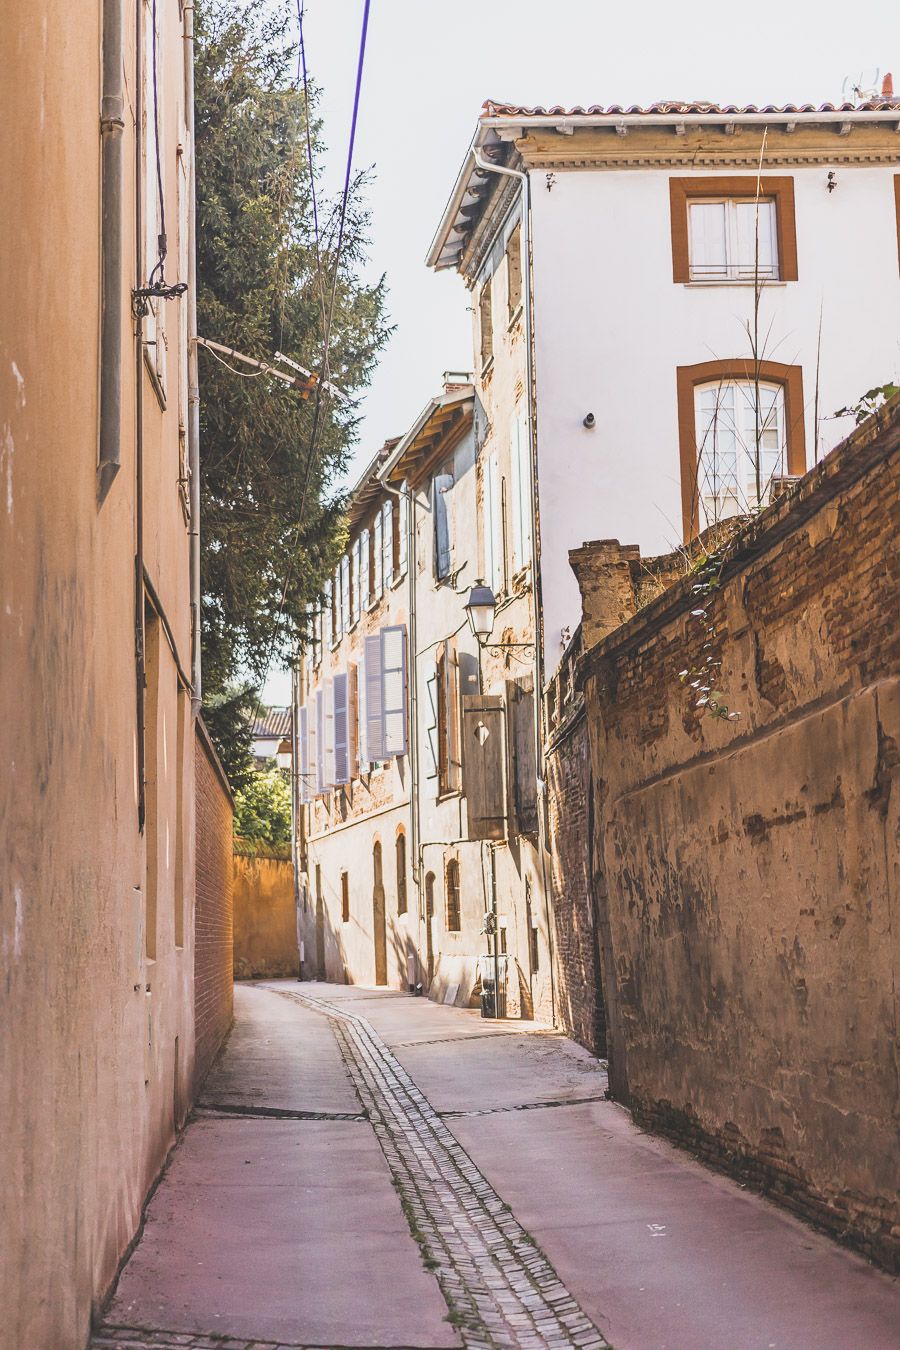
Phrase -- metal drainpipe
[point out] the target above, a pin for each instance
(193, 427)
(523, 178)
(112, 128)
(139, 644)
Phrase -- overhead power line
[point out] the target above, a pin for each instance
(329, 314)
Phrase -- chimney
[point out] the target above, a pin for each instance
(887, 86)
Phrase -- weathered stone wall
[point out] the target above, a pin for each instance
(214, 909)
(579, 998)
(265, 914)
(748, 869)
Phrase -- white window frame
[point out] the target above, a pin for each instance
(365, 574)
(734, 267)
(723, 490)
(356, 596)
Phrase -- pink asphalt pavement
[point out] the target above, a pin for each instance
(288, 1229)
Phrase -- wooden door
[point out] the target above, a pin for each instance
(379, 925)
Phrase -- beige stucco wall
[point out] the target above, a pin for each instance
(265, 916)
(95, 1039)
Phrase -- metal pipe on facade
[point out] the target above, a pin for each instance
(139, 632)
(525, 181)
(112, 163)
(193, 426)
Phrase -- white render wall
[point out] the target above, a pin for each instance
(611, 327)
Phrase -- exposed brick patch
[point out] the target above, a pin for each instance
(580, 1009)
(213, 913)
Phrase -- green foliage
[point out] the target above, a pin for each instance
(263, 807)
(868, 403)
(269, 537)
(228, 714)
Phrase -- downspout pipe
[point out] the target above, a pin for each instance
(543, 841)
(193, 426)
(112, 172)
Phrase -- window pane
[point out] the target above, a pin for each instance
(745, 239)
(708, 248)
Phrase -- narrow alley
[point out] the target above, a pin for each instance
(368, 1169)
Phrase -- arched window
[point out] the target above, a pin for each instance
(401, 872)
(453, 923)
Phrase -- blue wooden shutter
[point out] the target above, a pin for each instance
(373, 682)
(340, 729)
(393, 689)
(365, 758)
(320, 741)
(303, 750)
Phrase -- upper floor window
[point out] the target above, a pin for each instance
(733, 239)
(356, 596)
(741, 446)
(741, 426)
(486, 323)
(738, 229)
(514, 273)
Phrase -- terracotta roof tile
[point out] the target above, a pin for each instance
(668, 107)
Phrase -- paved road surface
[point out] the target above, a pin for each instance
(366, 1169)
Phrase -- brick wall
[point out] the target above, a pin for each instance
(746, 871)
(580, 1008)
(213, 911)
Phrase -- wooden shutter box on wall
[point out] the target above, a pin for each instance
(522, 770)
(484, 760)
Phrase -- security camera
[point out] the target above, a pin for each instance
(588, 420)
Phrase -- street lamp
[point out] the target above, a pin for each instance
(480, 608)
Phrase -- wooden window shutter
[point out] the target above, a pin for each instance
(320, 741)
(362, 742)
(393, 689)
(378, 557)
(328, 735)
(402, 529)
(484, 760)
(303, 751)
(522, 767)
(387, 541)
(340, 730)
(431, 729)
(374, 721)
(364, 574)
(440, 485)
(353, 757)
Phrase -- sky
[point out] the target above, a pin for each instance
(428, 69)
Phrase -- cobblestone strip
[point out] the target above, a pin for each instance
(499, 1286)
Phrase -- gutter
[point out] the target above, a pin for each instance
(516, 127)
(193, 427)
(112, 128)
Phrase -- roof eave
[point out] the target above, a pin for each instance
(442, 401)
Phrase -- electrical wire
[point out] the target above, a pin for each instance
(303, 74)
(242, 374)
(326, 337)
(161, 239)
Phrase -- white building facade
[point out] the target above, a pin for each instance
(702, 288)
(417, 851)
